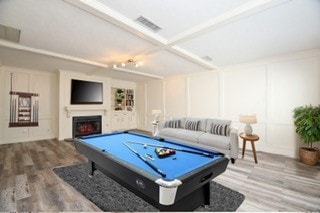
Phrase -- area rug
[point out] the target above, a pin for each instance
(108, 195)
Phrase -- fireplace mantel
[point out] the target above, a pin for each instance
(69, 109)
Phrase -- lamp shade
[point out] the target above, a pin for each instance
(248, 118)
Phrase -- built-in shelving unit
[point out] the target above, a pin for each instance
(124, 116)
(129, 99)
(122, 99)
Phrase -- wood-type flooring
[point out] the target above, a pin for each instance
(27, 182)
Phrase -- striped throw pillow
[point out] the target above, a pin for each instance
(173, 124)
(192, 125)
(219, 129)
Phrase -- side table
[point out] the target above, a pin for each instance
(251, 138)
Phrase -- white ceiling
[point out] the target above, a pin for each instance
(90, 35)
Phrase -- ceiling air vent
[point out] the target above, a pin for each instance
(145, 22)
(207, 58)
(9, 33)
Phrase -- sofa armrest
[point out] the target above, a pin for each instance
(234, 143)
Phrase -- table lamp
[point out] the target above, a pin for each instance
(156, 113)
(248, 119)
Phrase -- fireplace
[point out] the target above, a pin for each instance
(86, 125)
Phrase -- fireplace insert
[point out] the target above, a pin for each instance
(86, 125)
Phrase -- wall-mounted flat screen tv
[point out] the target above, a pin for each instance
(86, 92)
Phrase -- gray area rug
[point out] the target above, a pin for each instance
(108, 195)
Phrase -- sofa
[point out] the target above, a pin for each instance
(212, 134)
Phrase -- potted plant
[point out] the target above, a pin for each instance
(119, 95)
(307, 122)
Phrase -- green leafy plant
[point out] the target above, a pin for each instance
(119, 95)
(307, 122)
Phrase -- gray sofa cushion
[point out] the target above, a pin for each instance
(220, 129)
(202, 124)
(169, 132)
(173, 124)
(192, 125)
(182, 121)
(211, 122)
(188, 135)
(219, 141)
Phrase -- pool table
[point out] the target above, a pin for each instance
(177, 182)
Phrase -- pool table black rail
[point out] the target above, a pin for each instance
(194, 191)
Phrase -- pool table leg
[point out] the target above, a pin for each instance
(92, 168)
(207, 193)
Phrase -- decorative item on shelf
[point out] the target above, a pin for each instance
(248, 119)
(307, 122)
(119, 96)
(128, 62)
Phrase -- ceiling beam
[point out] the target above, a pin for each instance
(137, 72)
(49, 53)
(102, 11)
(101, 67)
(245, 10)
(191, 57)
(95, 71)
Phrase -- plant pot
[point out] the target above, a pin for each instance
(309, 156)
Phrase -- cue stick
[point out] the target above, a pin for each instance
(11, 110)
(181, 150)
(147, 162)
(14, 110)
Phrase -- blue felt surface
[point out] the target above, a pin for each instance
(173, 168)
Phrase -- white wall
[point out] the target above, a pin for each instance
(65, 116)
(270, 88)
(25, 80)
(203, 94)
(151, 90)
